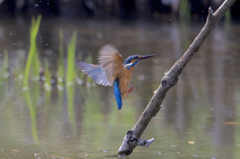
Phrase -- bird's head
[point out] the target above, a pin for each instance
(133, 60)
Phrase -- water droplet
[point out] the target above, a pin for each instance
(60, 88)
(6, 75)
(79, 81)
(69, 83)
(24, 88)
(88, 84)
(47, 86)
(60, 79)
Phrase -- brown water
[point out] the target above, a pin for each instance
(200, 117)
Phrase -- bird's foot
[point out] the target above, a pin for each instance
(128, 92)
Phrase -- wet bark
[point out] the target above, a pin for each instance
(132, 138)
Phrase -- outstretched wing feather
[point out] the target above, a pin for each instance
(110, 61)
(94, 71)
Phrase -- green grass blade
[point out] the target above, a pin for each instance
(32, 50)
(32, 112)
(5, 60)
(47, 74)
(79, 73)
(70, 76)
(71, 112)
(60, 59)
(60, 63)
(1, 68)
(36, 66)
(184, 10)
(5, 64)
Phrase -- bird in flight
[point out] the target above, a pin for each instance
(112, 72)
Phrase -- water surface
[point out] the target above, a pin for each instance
(200, 116)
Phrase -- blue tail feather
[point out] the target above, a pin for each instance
(117, 94)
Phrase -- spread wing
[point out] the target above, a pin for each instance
(94, 71)
(110, 61)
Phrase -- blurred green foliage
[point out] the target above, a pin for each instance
(70, 75)
(32, 55)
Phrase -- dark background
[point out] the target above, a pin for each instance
(122, 9)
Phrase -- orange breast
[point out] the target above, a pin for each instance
(124, 79)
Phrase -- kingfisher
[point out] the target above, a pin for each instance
(112, 72)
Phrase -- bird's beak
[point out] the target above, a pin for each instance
(146, 56)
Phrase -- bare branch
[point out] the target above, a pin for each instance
(132, 138)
